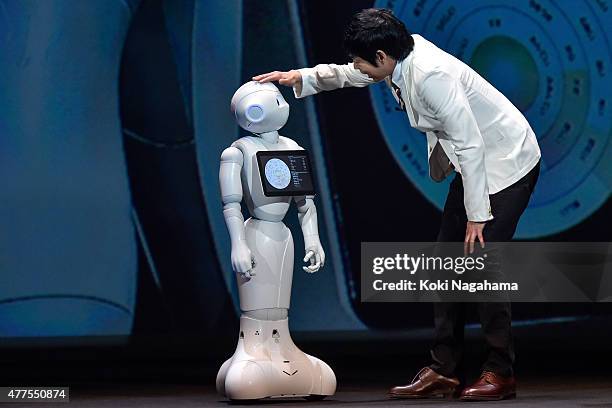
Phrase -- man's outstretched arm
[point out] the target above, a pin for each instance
(322, 77)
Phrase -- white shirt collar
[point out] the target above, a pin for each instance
(396, 76)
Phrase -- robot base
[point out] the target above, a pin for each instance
(267, 364)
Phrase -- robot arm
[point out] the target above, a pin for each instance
(231, 193)
(307, 214)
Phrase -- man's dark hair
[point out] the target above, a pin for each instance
(377, 29)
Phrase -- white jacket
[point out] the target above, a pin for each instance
(481, 134)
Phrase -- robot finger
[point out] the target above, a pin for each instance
(244, 266)
(314, 265)
(310, 269)
(309, 254)
(239, 267)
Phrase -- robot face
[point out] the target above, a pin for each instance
(260, 108)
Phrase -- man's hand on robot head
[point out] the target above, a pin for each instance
(287, 78)
(316, 256)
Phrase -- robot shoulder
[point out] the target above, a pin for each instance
(247, 145)
(232, 154)
(290, 143)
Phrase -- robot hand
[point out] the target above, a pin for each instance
(316, 255)
(243, 261)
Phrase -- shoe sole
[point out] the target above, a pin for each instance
(432, 396)
(485, 398)
(439, 395)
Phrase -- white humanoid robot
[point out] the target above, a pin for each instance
(268, 170)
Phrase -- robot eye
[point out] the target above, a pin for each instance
(255, 113)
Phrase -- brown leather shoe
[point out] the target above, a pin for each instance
(490, 387)
(426, 384)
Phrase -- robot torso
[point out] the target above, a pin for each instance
(261, 207)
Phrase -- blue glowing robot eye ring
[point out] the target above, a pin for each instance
(255, 113)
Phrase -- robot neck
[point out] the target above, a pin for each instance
(270, 137)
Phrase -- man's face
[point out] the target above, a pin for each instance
(384, 66)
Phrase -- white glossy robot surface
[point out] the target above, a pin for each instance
(266, 362)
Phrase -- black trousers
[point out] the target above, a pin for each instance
(507, 207)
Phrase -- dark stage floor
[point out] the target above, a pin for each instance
(560, 367)
(543, 392)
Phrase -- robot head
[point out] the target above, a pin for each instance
(260, 108)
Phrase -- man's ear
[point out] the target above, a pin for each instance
(380, 57)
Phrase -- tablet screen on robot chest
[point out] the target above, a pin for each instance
(285, 173)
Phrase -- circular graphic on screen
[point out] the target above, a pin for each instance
(277, 173)
(554, 62)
